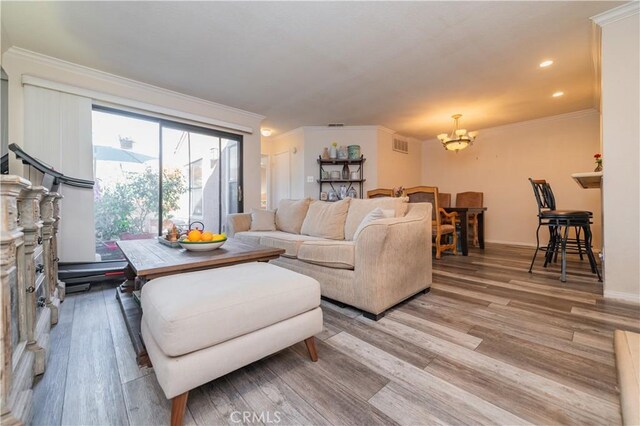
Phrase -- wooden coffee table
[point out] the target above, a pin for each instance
(148, 259)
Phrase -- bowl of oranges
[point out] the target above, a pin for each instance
(197, 240)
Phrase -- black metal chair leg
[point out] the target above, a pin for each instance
(563, 276)
(537, 247)
(551, 246)
(578, 242)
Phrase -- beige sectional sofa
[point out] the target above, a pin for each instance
(374, 268)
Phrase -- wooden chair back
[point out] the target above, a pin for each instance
(380, 192)
(444, 199)
(426, 194)
(469, 199)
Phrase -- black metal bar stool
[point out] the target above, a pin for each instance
(559, 223)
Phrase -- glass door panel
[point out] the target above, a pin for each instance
(126, 193)
(231, 189)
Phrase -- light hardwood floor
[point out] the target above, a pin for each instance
(491, 344)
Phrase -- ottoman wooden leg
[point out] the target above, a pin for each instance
(311, 347)
(178, 406)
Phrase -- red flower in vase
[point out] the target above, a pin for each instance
(597, 156)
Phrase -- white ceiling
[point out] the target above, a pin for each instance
(405, 65)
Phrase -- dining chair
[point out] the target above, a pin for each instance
(380, 192)
(444, 199)
(443, 224)
(471, 199)
(559, 222)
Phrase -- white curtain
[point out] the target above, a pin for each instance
(58, 132)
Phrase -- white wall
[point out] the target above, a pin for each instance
(503, 158)
(17, 63)
(621, 154)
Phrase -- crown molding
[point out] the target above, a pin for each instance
(70, 67)
(617, 13)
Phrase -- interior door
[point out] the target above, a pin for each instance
(280, 178)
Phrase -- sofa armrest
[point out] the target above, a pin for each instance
(238, 222)
(393, 259)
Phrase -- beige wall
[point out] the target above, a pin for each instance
(620, 130)
(396, 168)
(503, 158)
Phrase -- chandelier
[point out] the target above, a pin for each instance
(459, 138)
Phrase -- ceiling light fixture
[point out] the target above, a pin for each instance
(459, 138)
(265, 132)
(557, 94)
(546, 63)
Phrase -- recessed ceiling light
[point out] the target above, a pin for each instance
(546, 63)
(557, 94)
(265, 132)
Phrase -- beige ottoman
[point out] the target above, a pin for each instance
(201, 325)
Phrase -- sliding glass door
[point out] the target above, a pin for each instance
(200, 178)
(211, 164)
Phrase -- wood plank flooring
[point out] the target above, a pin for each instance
(491, 344)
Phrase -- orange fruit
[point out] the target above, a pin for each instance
(207, 236)
(194, 235)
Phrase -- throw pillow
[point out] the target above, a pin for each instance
(291, 214)
(375, 214)
(326, 220)
(358, 209)
(263, 220)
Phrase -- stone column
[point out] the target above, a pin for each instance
(46, 211)
(16, 378)
(38, 316)
(60, 286)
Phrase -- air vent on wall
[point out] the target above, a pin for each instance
(401, 145)
(335, 125)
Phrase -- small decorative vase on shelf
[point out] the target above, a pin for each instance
(343, 192)
(345, 172)
(325, 153)
(343, 154)
(352, 193)
(333, 152)
(598, 158)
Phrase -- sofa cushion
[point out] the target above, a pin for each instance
(291, 214)
(326, 220)
(263, 220)
(290, 243)
(252, 236)
(334, 254)
(358, 209)
(191, 311)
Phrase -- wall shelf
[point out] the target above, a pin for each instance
(349, 163)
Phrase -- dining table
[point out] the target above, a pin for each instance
(463, 215)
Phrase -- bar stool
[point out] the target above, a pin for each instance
(559, 222)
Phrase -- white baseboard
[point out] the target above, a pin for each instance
(618, 295)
